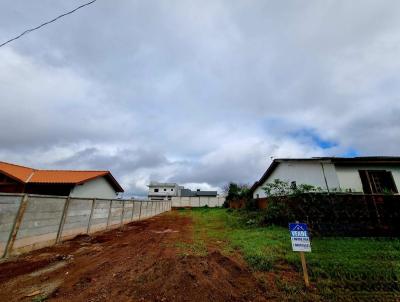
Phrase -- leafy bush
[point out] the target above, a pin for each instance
(278, 213)
(280, 188)
(250, 204)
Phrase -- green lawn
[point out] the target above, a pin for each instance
(341, 269)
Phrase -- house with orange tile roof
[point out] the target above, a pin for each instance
(88, 184)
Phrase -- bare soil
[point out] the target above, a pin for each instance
(139, 263)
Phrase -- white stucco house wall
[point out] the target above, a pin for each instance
(96, 188)
(369, 175)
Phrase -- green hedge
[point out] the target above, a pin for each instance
(338, 214)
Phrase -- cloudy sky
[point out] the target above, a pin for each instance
(197, 92)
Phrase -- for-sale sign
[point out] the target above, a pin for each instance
(299, 237)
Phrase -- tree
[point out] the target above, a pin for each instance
(236, 192)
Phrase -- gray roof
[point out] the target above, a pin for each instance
(190, 193)
(205, 193)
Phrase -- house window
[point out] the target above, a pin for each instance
(165, 190)
(156, 190)
(377, 181)
(293, 185)
(172, 190)
(257, 195)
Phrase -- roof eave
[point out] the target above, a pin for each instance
(267, 173)
(12, 176)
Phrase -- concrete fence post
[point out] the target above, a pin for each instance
(133, 209)
(123, 214)
(109, 214)
(140, 209)
(63, 218)
(150, 210)
(17, 223)
(91, 215)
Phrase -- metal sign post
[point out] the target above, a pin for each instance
(301, 243)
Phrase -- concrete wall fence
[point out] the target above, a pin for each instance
(197, 201)
(29, 222)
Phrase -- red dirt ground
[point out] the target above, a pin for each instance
(139, 263)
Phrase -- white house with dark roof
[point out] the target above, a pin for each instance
(369, 175)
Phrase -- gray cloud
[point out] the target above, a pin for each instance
(197, 92)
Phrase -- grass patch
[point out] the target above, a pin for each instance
(39, 298)
(197, 248)
(341, 268)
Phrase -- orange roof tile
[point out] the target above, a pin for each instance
(57, 176)
(17, 172)
(29, 175)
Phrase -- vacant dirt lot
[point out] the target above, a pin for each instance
(142, 262)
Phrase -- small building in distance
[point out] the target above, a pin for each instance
(88, 184)
(165, 191)
(368, 175)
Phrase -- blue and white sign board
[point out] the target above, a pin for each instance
(299, 237)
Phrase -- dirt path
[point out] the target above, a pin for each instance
(140, 263)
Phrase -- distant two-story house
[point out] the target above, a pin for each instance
(369, 175)
(165, 191)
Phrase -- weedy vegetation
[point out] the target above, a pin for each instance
(340, 268)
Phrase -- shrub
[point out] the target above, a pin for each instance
(250, 204)
(278, 212)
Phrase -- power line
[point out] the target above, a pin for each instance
(46, 23)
